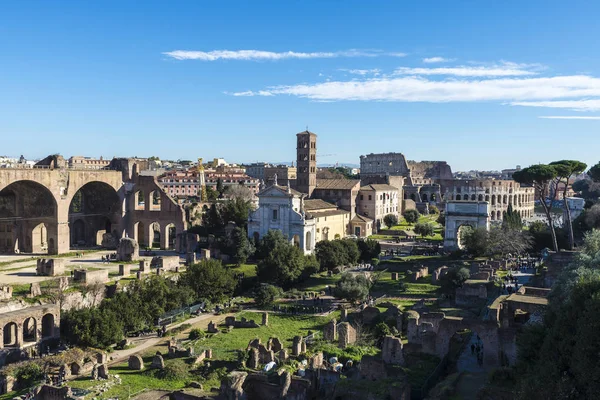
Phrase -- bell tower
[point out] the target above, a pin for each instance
(306, 163)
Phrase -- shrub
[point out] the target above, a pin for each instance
(411, 216)
(196, 333)
(267, 294)
(390, 220)
(29, 374)
(175, 370)
(433, 209)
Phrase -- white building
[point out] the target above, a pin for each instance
(576, 206)
(281, 208)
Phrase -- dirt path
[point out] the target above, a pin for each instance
(148, 342)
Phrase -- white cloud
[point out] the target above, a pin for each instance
(259, 55)
(569, 117)
(432, 60)
(363, 72)
(578, 105)
(525, 91)
(464, 71)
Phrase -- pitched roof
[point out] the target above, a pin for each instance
(378, 186)
(317, 204)
(326, 213)
(361, 218)
(280, 188)
(345, 184)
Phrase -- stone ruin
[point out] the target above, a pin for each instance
(212, 327)
(50, 267)
(166, 263)
(392, 350)
(48, 392)
(135, 362)
(243, 323)
(274, 344)
(432, 332)
(144, 266)
(369, 315)
(297, 345)
(158, 361)
(346, 335)
(241, 385)
(343, 314)
(6, 292)
(90, 277)
(260, 354)
(330, 331)
(421, 272)
(265, 319)
(206, 354)
(124, 269)
(103, 371)
(128, 250)
(471, 293)
(109, 241)
(34, 290)
(438, 273)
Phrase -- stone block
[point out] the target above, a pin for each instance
(103, 371)
(144, 266)
(158, 361)
(265, 319)
(330, 331)
(135, 362)
(127, 250)
(212, 327)
(34, 290)
(392, 350)
(297, 346)
(124, 269)
(346, 335)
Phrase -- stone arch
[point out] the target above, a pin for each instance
(480, 197)
(493, 199)
(10, 335)
(28, 212)
(78, 235)
(139, 233)
(498, 215)
(459, 215)
(170, 237)
(487, 197)
(473, 198)
(154, 235)
(47, 325)
(140, 200)
(154, 199)
(98, 205)
(458, 197)
(30, 330)
(424, 197)
(308, 242)
(505, 199)
(493, 216)
(460, 230)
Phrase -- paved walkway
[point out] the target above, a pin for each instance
(473, 375)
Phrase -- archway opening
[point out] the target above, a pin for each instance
(10, 334)
(155, 200)
(296, 240)
(424, 197)
(155, 235)
(170, 236)
(92, 211)
(140, 200)
(27, 218)
(30, 330)
(461, 234)
(140, 234)
(47, 325)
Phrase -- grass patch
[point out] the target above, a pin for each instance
(421, 288)
(318, 282)
(284, 327)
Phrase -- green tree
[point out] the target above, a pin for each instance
(369, 249)
(211, 193)
(352, 287)
(282, 263)
(220, 188)
(424, 229)
(540, 176)
(212, 219)
(511, 219)
(239, 247)
(330, 254)
(454, 279)
(390, 220)
(237, 210)
(351, 251)
(433, 209)
(475, 241)
(411, 216)
(565, 170)
(594, 173)
(266, 295)
(441, 219)
(209, 280)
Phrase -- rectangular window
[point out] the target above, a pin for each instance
(361, 197)
(274, 214)
(369, 197)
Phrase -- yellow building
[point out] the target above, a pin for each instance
(331, 222)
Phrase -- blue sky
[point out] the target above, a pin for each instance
(469, 82)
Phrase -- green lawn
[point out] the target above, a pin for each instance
(249, 270)
(284, 327)
(131, 382)
(421, 288)
(318, 282)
